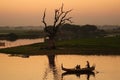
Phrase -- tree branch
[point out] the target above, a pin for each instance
(44, 18)
(63, 19)
(60, 17)
(67, 19)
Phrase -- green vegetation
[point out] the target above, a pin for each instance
(86, 46)
(110, 42)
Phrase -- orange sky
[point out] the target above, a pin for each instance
(29, 12)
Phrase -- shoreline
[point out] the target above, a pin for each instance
(87, 46)
(33, 49)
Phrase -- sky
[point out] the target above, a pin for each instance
(30, 12)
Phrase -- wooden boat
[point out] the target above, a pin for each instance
(78, 74)
(81, 71)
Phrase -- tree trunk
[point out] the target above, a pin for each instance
(50, 43)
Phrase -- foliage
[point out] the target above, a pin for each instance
(12, 37)
(68, 31)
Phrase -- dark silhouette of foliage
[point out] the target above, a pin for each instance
(68, 31)
(12, 37)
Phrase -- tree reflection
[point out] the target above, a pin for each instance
(51, 60)
(52, 67)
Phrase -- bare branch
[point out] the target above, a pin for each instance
(62, 8)
(63, 19)
(58, 13)
(67, 19)
(44, 18)
(60, 16)
(65, 14)
(56, 17)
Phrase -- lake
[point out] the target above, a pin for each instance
(15, 67)
(20, 42)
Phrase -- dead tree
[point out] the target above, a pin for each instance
(60, 18)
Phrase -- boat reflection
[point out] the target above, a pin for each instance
(79, 74)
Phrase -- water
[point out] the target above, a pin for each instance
(25, 67)
(49, 67)
(20, 42)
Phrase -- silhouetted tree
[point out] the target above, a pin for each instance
(59, 20)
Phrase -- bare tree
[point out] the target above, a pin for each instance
(60, 18)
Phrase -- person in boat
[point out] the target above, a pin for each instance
(88, 64)
(77, 67)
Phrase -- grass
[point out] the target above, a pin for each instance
(88, 46)
(92, 42)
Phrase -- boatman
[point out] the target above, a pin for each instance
(88, 65)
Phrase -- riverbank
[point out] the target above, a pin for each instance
(91, 46)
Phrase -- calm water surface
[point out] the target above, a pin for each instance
(49, 67)
(20, 42)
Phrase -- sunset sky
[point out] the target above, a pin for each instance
(29, 12)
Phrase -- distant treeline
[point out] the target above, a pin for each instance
(66, 32)
(69, 31)
(21, 28)
(13, 35)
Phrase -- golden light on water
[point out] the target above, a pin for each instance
(29, 12)
(37, 67)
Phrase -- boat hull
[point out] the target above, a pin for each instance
(81, 71)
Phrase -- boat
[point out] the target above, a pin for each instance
(78, 74)
(80, 71)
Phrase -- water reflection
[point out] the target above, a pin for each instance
(20, 42)
(79, 74)
(51, 60)
(19, 55)
(48, 67)
(52, 67)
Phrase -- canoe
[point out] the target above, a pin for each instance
(81, 71)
